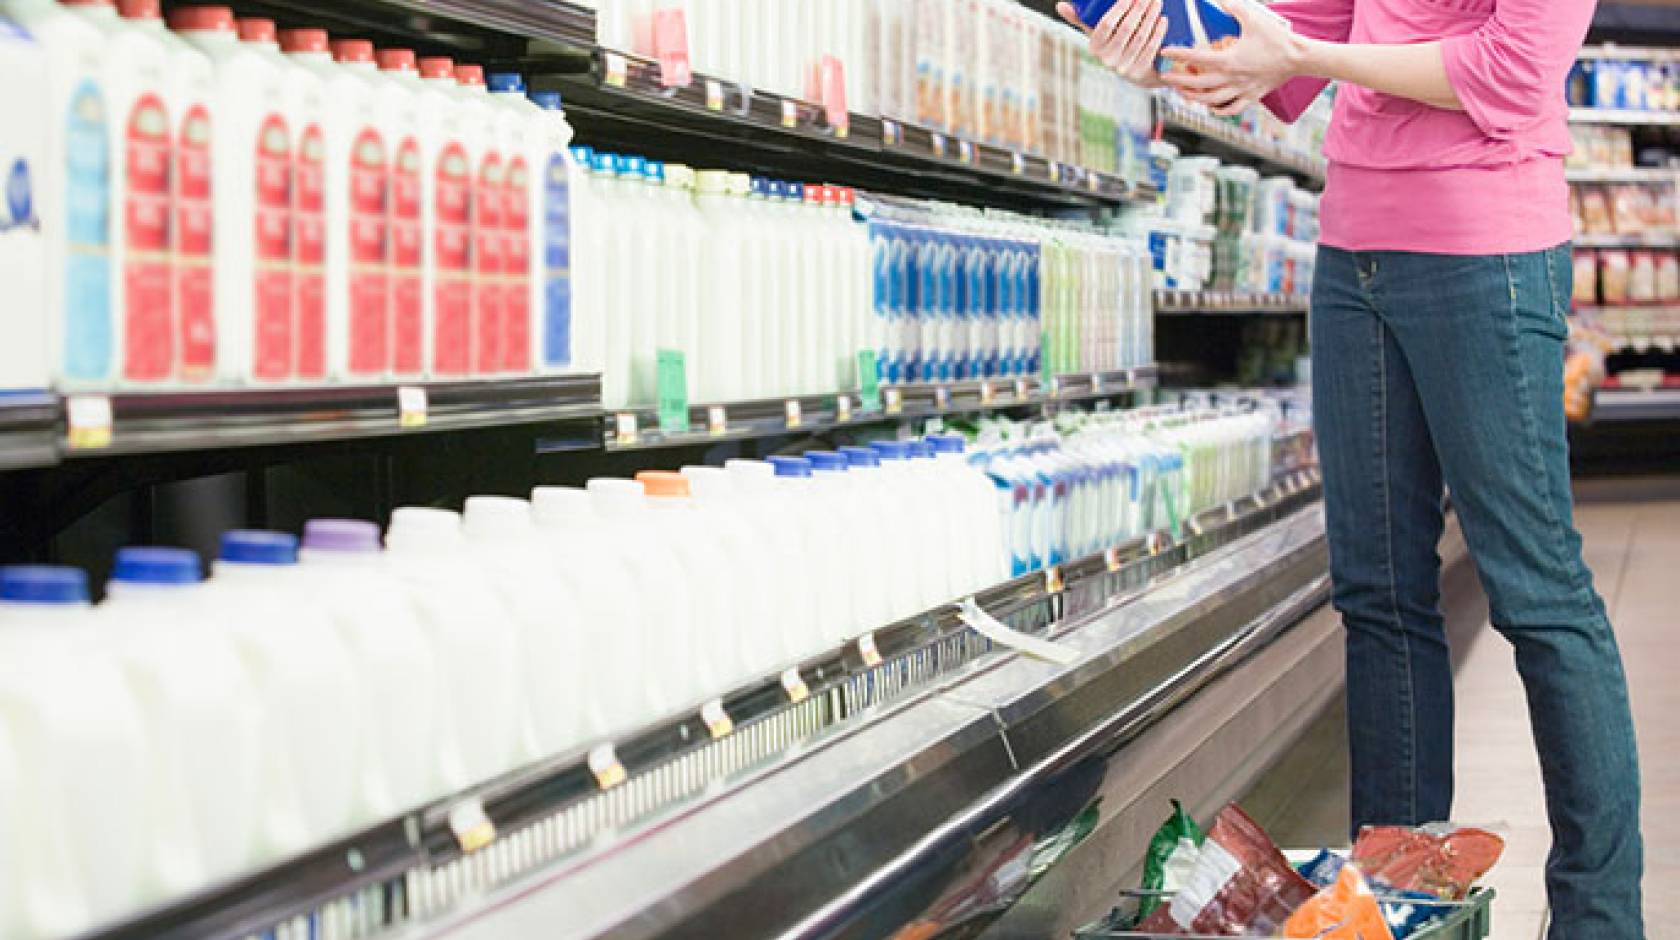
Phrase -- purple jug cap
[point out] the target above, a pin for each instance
(341, 535)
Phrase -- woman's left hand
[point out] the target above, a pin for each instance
(1229, 80)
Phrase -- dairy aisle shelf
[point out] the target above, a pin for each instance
(1627, 404)
(1194, 303)
(1624, 175)
(562, 813)
(1648, 240)
(1223, 139)
(639, 429)
(623, 101)
(29, 425)
(1622, 116)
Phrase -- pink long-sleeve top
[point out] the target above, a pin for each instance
(1405, 176)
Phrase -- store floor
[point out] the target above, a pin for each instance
(1632, 533)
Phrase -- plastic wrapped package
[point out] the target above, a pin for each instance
(1241, 885)
(1441, 860)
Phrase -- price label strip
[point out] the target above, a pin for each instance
(843, 408)
(995, 630)
(625, 428)
(794, 412)
(988, 393)
(1017, 163)
(939, 145)
(717, 720)
(413, 409)
(471, 825)
(714, 95)
(1022, 391)
(605, 765)
(942, 398)
(894, 400)
(1053, 583)
(794, 685)
(618, 69)
(90, 422)
(790, 113)
(1112, 559)
(717, 420)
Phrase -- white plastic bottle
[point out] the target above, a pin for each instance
(413, 153)
(553, 297)
(475, 640)
(355, 174)
(709, 568)
(620, 179)
(650, 295)
(908, 524)
(137, 121)
(683, 297)
(759, 253)
(522, 134)
(720, 296)
(816, 522)
(191, 90)
(665, 680)
(204, 728)
(750, 643)
(596, 559)
(481, 123)
(395, 666)
(306, 101)
(77, 811)
(768, 509)
(879, 524)
(510, 549)
(447, 193)
(838, 495)
(302, 680)
(251, 159)
(25, 359)
(980, 541)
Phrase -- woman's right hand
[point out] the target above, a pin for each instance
(1127, 39)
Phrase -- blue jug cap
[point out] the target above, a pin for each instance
(797, 467)
(827, 460)
(250, 547)
(43, 584)
(548, 100)
(506, 81)
(629, 165)
(602, 162)
(920, 450)
(150, 565)
(584, 155)
(892, 450)
(653, 171)
(861, 456)
(948, 443)
(794, 191)
(760, 186)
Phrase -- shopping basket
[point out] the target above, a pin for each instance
(1471, 919)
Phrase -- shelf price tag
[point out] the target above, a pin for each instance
(625, 430)
(965, 151)
(1112, 558)
(89, 417)
(717, 720)
(412, 407)
(672, 391)
(1021, 390)
(891, 134)
(714, 95)
(842, 408)
(869, 651)
(618, 69)
(942, 398)
(939, 145)
(717, 420)
(794, 412)
(1053, 583)
(790, 113)
(1055, 171)
(605, 765)
(471, 825)
(794, 685)
(1017, 163)
(988, 393)
(1093, 182)
(894, 400)
(1096, 383)
(869, 380)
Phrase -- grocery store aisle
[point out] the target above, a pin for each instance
(1632, 533)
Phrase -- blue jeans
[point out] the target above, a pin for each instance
(1432, 370)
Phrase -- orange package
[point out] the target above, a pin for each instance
(1347, 910)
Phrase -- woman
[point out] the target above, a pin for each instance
(1438, 325)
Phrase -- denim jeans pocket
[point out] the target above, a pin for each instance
(1540, 286)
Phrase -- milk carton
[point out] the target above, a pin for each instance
(24, 251)
(413, 162)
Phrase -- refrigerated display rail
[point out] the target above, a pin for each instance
(779, 799)
(1200, 303)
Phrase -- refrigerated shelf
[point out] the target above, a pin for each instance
(1222, 138)
(1194, 303)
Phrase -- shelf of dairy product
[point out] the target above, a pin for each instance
(1631, 174)
(1624, 116)
(1624, 85)
(1296, 148)
(844, 79)
(647, 428)
(563, 682)
(1663, 239)
(1224, 233)
(279, 234)
(1193, 303)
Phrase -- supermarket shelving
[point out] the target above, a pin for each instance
(1619, 116)
(1221, 138)
(638, 428)
(28, 429)
(1628, 404)
(1196, 303)
(1648, 240)
(406, 871)
(1640, 174)
(1635, 53)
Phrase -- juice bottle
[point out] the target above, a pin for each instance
(251, 165)
(355, 174)
(413, 151)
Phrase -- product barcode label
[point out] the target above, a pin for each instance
(604, 764)
(89, 418)
(1112, 558)
(868, 650)
(1055, 171)
(795, 414)
(717, 420)
(618, 70)
(942, 397)
(794, 685)
(965, 151)
(1096, 382)
(717, 720)
(890, 132)
(1017, 163)
(939, 145)
(412, 407)
(471, 825)
(625, 427)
